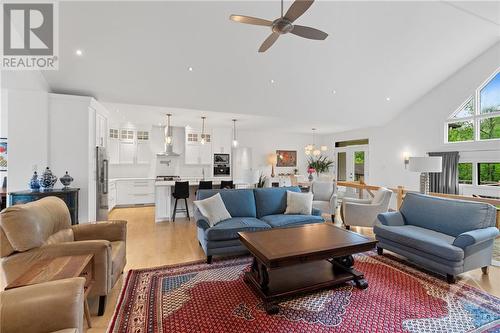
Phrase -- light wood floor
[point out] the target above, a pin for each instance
(152, 244)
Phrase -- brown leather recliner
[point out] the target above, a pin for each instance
(55, 306)
(42, 229)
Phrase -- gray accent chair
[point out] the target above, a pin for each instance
(443, 235)
(363, 212)
(325, 196)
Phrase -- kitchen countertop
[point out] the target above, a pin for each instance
(119, 179)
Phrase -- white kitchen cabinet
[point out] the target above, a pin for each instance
(135, 192)
(126, 152)
(196, 153)
(221, 140)
(101, 130)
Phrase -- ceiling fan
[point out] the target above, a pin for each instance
(283, 24)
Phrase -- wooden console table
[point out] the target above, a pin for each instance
(69, 196)
(59, 268)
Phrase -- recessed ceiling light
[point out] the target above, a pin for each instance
(334, 92)
(79, 52)
(387, 99)
(190, 68)
(272, 81)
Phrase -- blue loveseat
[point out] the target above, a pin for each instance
(251, 210)
(447, 236)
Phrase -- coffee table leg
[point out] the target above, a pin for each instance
(271, 307)
(346, 264)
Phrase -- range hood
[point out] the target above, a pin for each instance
(169, 150)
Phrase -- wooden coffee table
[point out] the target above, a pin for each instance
(291, 261)
(58, 268)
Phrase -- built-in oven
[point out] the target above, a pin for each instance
(222, 164)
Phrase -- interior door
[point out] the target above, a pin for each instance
(352, 163)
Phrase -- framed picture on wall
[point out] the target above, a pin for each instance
(3, 154)
(286, 158)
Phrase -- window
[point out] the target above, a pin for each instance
(465, 173)
(488, 174)
(142, 135)
(113, 133)
(479, 117)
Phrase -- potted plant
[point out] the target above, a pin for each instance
(320, 164)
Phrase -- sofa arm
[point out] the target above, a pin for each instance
(316, 212)
(110, 230)
(201, 221)
(356, 200)
(101, 249)
(333, 203)
(391, 219)
(44, 307)
(475, 237)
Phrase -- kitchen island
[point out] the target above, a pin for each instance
(164, 200)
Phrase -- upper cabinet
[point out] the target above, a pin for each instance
(195, 151)
(101, 129)
(129, 145)
(221, 140)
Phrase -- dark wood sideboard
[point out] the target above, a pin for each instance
(69, 196)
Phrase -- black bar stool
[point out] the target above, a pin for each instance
(226, 184)
(205, 185)
(181, 191)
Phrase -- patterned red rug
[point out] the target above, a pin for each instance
(214, 298)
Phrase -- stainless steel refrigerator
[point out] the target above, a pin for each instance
(102, 164)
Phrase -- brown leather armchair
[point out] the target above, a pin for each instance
(55, 306)
(42, 229)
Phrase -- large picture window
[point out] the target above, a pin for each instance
(488, 174)
(478, 118)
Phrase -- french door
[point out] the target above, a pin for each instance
(352, 163)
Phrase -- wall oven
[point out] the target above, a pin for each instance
(222, 165)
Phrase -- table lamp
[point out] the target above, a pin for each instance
(424, 165)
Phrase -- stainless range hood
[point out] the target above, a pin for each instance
(168, 151)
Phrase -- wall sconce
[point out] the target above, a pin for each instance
(406, 158)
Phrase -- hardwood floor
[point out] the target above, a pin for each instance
(152, 244)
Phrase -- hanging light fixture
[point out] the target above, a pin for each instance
(203, 141)
(311, 149)
(235, 142)
(168, 131)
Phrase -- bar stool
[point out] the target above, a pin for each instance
(181, 191)
(228, 184)
(205, 185)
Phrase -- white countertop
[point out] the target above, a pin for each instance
(120, 179)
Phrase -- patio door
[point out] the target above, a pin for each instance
(352, 163)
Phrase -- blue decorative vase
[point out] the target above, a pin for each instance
(48, 180)
(66, 180)
(34, 183)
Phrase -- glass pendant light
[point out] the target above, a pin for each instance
(203, 141)
(235, 142)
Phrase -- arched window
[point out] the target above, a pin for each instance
(478, 118)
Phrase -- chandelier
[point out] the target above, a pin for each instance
(311, 149)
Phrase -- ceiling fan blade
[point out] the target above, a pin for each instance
(269, 42)
(250, 20)
(298, 8)
(308, 32)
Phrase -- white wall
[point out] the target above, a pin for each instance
(420, 128)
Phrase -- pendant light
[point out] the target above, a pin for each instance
(235, 142)
(203, 141)
(168, 131)
(311, 149)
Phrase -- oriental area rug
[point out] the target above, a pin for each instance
(197, 297)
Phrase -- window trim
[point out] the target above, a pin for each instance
(476, 118)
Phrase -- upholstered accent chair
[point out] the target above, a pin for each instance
(325, 196)
(55, 306)
(42, 229)
(363, 212)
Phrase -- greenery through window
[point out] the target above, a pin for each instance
(479, 117)
(488, 174)
(460, 131)
(465, 173)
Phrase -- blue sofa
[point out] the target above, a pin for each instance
(251, 210)
(446, 236)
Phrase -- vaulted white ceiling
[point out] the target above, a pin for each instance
(139, 53)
